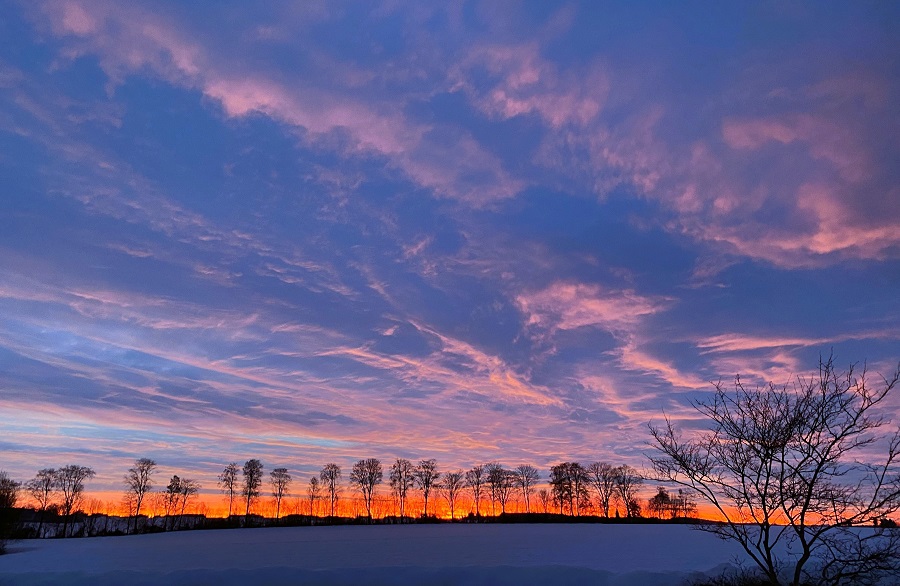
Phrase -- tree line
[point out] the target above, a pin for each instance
(488, 489)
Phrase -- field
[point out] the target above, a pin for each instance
(622, 555)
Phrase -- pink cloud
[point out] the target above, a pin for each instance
(456, 368)
(129, 39)
(524, 83)
(631, 357)
(566, 306)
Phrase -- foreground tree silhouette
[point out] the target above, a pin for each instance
(780, 465)
(138, 482)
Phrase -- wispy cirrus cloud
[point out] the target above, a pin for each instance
(522, 83)
(567, 306)
(129, 40)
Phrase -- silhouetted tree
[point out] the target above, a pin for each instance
(313, 493)
(545, 499)
(495, 475)
(189, 489)
(560, 485)
(70, 483)
(568, 484)
(41, 489)
(789, 460)
(682, 504)
(9, 491)
(602, 478)
(331, 478)
(660, 504)
(253, 472)
(505, 488)
(451, 486)
(9, 494)
(475, 479)
(172, 499)
(628, 480)
(228, 481)
(426, 475)
(367, 475)
(401, 481)
(526, 477)
(281, 481)
(138, 482)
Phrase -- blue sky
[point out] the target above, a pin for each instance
(312, 232)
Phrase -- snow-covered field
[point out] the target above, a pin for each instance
(411, 554)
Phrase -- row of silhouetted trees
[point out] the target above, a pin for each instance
(570, 488)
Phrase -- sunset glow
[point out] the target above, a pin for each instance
(311, 233)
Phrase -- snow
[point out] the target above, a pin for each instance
(620, 555)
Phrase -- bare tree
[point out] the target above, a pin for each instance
(281, 481)
(41, 489)
(451, 485)
(366, 476)
(313, 493)
(782, 465)
(138, 482)
(602, 478)
(426, 476)
(331, 478)
(401, 481)
(253, 472)
(545, 499)
(228, 480)
(526, 477)
(187, 490)
(475, 480)
(628, 480)
(660, 503)
(172, 497)
(568, 484)
(495, 475)
(505, 488)
(9, 495)
(70, 483)
(9, 491)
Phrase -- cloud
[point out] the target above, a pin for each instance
(455, 369)
(130, 40)
(521, 83)
(567, 306)
(631, 357)
(802, 188)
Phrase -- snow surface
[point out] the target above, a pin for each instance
(620, 555)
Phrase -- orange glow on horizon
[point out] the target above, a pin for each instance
(348, 505)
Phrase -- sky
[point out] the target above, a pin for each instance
(322, 231)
